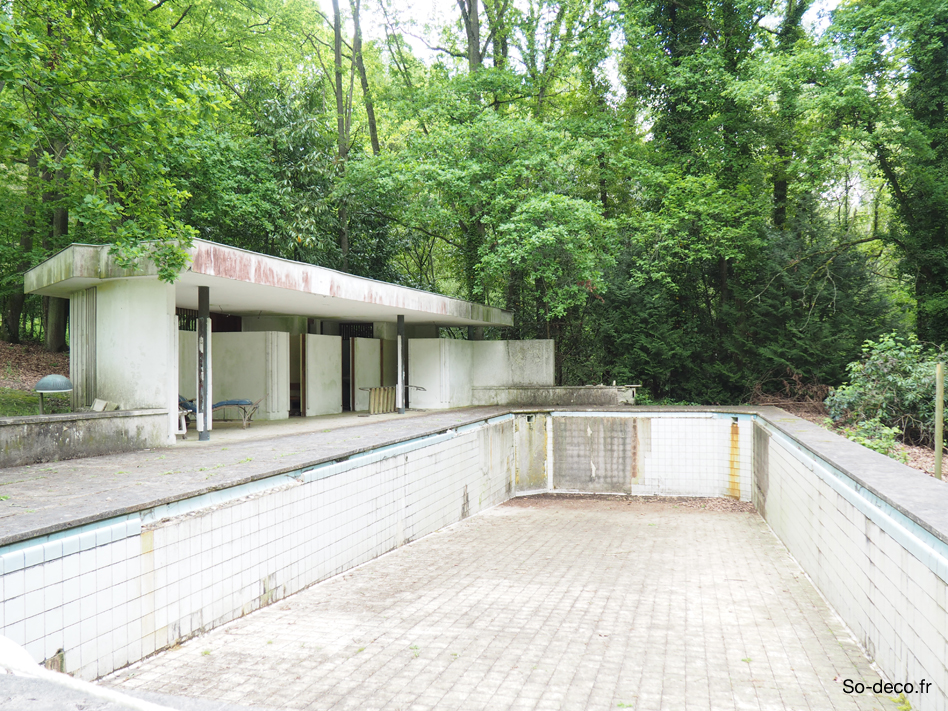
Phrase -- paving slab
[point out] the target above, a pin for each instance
(18, 693)
(40, 499)
(547, 602)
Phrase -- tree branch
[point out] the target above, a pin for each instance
(159, 4)
(423, 231)
(435, 48)
(183, 15)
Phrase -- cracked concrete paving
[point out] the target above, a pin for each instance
(548, 602)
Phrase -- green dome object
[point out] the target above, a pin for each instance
(53, 384)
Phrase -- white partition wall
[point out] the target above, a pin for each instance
(134, 367)
(367, 369)
(447, 368)
(323, 375)
(389, 362)
(253, 366)
(527, 362)
(135, 353)
(187, 364)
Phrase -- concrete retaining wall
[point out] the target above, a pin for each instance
(546, 396)
(870, 532)
(446, 369)
(51, 438)
(856, 521)
(651, 453)
(113, 592)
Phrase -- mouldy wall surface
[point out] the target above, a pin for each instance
(685, 454)
(882, 572)
(545, 396)
(51, 438)
(135, 324)
(323, 375)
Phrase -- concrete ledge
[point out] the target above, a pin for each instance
(871, 533)
(50, 438)
(549, 396)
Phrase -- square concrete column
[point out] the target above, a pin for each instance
(204, 364)
(400, 389)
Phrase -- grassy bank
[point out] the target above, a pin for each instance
(17, 403)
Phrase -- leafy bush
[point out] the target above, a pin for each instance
(877, 437)
(891, 386)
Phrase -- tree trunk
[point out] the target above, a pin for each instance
(56, 309)
(13, 304)
(342, 139)
(603, 188)
(514, 302)
(12, 309)
(470, 15)
(499, 32)
(473, 232)
(363, 77)
(57, 315)
(781, 187)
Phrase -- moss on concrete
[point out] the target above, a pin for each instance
(19, 403)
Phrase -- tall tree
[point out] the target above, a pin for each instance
(89, 107)
(899, 56)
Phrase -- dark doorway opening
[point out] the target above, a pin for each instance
(348, 331)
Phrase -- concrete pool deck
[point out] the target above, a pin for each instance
(45, 498)
(40, 499)
(546, 602)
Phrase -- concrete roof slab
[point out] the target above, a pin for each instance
(246, 283)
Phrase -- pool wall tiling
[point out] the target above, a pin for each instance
(866, 529)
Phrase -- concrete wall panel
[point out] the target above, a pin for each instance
(449, 369)
(489, 363)
(530, 363)
(82, 352)
(368, 369)
(253, 366)
(389, 362)
(593, 454)
(425, 370)
(134, 367)
(457, 359)
(187, 364)
(323, 375)
(532, 441)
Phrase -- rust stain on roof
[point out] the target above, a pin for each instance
(230, 263)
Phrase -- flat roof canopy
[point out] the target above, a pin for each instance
(245, 283)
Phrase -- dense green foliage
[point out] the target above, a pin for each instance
(891, 386)
(703, 197)
(875, 435)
